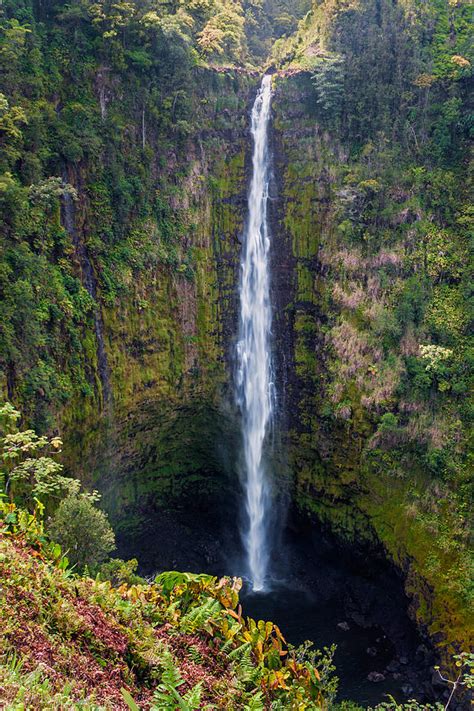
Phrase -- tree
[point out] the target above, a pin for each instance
(82, 530)
(224, 34)
(11, 118)
(12, 42)
(328, 80)
(31, 478)
(28, 472)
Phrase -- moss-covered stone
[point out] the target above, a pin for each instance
(338, 477)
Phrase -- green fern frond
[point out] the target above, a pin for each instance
(238, 653)
(244, 668)
(171, 677)
(195, 655)
(193, 696)
(198, 617)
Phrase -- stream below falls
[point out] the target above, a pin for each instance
(321, 592)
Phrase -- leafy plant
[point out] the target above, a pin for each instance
(82, 530)
(27, 473)
(167, 696)
(464, 662)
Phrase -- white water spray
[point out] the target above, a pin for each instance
(254, 376)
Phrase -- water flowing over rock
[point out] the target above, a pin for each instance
(254, 376)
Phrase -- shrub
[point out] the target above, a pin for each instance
(83, 530)
(119, 571)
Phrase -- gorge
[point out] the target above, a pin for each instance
(173, 303)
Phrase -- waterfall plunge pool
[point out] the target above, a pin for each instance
(320, 592)
(331, 595)
(361, 651)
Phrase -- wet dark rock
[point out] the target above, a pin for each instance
(360, 619)
(403, 660)
(376, 676)
(343, 626)
(407, 689)
(394, 666)
(371, 651)
(422, 653)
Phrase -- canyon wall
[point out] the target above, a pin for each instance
(357, 430)
(353, 312)
(161, 429)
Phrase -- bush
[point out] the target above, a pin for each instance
(119, 571)
(82, 530)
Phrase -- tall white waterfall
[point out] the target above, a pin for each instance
(254, 376)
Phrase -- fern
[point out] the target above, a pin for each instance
(193, 697)
(238, 652)
(171, 678)
(245, 669)
(198, 617)
(167, 696)
(227, 646)
(195, 655)
(255, 703)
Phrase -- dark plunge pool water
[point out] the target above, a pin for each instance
(331, 595)
(321, 592)
(362, 652)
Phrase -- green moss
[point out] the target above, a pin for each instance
(339, 211)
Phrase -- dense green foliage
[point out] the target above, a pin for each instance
(82, 530)
(61, 124)
(32, 482)
(51, 127)
(74, 642)
(385, 139)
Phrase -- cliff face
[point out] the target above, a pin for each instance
(344, 354)
(373, 177)
(362, 435)
(163, 351)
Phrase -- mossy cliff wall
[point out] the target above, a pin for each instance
(124, 172)
(149, 252)
(360, 435)
(157, 430)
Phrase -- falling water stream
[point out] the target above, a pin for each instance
(254, 374)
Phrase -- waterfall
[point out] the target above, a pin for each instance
(254, 361)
